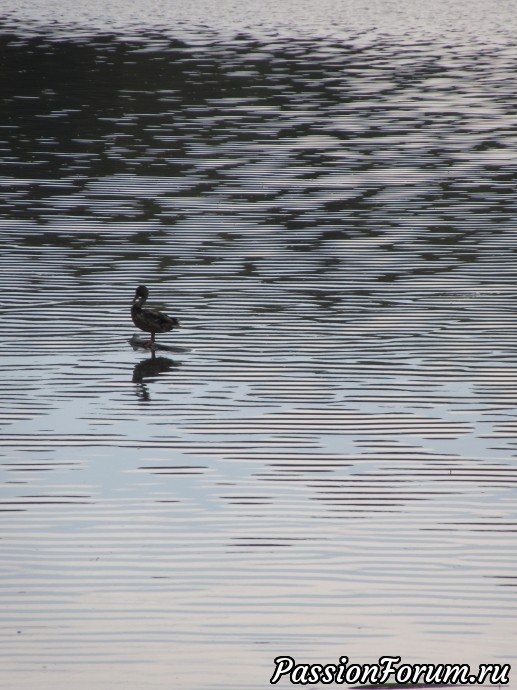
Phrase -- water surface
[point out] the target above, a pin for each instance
(325, 197)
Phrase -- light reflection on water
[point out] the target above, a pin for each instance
(324, 464)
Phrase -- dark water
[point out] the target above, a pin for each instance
(326, 465)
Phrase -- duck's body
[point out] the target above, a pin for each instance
(148, 320)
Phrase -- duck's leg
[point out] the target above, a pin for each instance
(150, 343)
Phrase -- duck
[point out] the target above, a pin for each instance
(149, 320)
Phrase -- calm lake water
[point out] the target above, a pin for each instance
(326, 464)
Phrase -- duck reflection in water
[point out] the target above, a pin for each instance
(148, 370)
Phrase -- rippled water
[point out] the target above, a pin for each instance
(325, 463)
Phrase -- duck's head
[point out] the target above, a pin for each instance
(141, 295)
